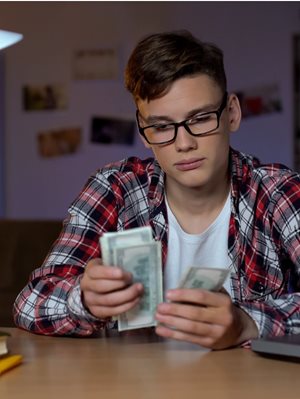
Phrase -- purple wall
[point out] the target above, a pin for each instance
(257, 41)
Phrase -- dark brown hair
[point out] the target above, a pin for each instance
(160, 59)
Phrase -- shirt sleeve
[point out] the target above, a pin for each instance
(275, 317)
(51, 302)
(280, 314)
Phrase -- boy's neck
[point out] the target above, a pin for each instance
(196, 209)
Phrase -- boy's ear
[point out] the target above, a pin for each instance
(234, 112)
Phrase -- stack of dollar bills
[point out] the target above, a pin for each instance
(137, 252)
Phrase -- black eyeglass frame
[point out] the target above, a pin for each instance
(176, 125)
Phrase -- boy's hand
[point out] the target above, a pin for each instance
(108, 290)
(209, 319)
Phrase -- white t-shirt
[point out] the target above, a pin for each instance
(209, 249)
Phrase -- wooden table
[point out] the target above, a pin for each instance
(141, 366)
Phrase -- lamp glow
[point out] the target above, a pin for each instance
(8, 38)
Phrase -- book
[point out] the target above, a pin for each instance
(3, 343)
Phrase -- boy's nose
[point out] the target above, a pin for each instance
(184, 140)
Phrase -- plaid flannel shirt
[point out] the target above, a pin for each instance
(263, 244)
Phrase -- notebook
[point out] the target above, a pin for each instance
(288, 345)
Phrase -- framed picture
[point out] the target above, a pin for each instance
(44, 97)
(58, 142)
(96, 64)
(260, 100)
(112, 131)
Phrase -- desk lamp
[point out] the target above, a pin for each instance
(8, 38)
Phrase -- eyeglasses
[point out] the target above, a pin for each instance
(199, 125)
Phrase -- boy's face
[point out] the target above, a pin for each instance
(190, 161)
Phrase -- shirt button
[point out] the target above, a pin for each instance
(261, 287)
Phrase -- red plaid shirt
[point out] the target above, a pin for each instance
(263, 244)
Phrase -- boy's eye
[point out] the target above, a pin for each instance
(201, 119)
(162, 128)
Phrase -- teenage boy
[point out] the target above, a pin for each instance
(208, 204)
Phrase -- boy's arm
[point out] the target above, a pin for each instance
(53, 306)
(280, 316)
(51, 302)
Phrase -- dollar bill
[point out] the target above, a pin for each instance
(144, 262)
(207, 278)
(137, 252)
(111, 240)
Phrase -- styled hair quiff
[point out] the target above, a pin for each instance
(160, 59)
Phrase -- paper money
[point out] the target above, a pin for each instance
(207, 278)
(144, 262)
(110, 241)
(137, 252)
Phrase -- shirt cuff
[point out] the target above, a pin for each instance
(76, 306)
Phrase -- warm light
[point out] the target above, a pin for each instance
(8, 38)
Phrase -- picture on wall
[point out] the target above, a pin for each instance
(44, 97)
(260, 100)
(96, 64)
(112, 131)
(53, 143)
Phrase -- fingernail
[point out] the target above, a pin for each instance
(170, 294)
(140, 287)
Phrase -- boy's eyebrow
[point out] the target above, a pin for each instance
(151, 119)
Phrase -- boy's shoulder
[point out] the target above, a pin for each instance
(132, 164)
(250, 177)
(244, 165)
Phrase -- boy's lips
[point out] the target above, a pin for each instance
(189, 164)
